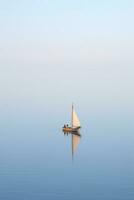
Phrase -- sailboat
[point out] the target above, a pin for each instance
(75, 123)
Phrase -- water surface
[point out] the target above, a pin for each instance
(36, 157)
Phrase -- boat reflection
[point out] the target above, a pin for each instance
(75, 140)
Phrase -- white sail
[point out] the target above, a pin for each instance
(75, 119)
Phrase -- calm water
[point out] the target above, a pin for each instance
(36, 157)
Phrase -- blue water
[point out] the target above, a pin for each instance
(35, 156)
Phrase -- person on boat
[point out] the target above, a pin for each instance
(64, 126)
(67, 125)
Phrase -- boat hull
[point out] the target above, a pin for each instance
(69, 129)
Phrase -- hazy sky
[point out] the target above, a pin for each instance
(58, 32)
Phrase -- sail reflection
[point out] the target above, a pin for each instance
(75, 140)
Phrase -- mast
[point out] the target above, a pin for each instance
(72, 115)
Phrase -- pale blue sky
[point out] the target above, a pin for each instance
(67, 32)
